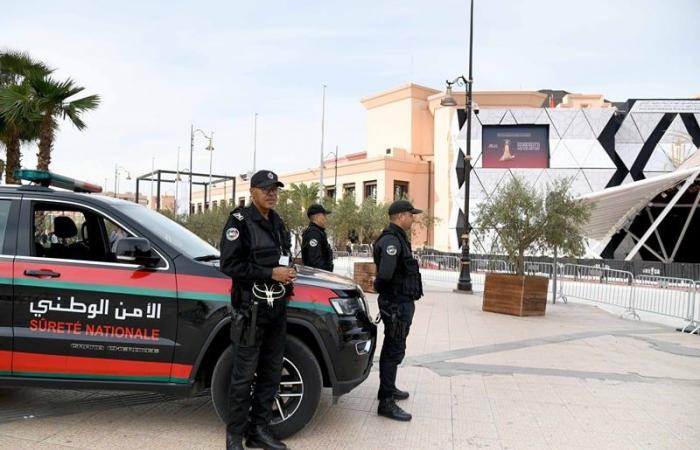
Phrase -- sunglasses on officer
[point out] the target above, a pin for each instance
(269, 190)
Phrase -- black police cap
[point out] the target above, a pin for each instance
(265, 178)
(316, 209)
(400, 206)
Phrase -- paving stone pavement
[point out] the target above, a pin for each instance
(578, 378)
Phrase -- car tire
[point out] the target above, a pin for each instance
(299, 394)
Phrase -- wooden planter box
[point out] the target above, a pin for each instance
(517, 295)
(364, 273)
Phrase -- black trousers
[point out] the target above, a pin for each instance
(261, 363)
(394, 348)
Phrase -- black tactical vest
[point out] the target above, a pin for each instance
(406, 282)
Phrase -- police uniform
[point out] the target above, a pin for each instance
(251, 246)
(315, 249)
(399, 285)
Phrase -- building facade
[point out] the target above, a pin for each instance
(415, 147)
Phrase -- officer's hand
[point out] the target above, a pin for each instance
(283, 274)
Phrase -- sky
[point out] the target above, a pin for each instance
(160, 66)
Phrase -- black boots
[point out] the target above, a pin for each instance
(389, 408)
(398, 394)
(234, 441)
(259, 436)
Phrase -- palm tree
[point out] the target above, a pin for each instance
(52, 103)
(15, 69)
(304, 195)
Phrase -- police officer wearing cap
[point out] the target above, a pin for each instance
(255, 253)
(399, 285)
(315, 249)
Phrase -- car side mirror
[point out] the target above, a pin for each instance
(135, 250)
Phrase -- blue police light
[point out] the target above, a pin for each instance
(46, 179)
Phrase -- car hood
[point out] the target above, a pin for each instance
(321, 278)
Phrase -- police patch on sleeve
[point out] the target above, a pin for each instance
(313, 242)
(232, 234)
(391, 250)
(238, 215)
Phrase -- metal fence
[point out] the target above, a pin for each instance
(596, 284)
(660, 295)
(672, 297)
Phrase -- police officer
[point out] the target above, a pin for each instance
(399, 285)
(255, 253)
(315, 249)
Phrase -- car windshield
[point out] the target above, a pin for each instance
(179, 237)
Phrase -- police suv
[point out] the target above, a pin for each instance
(100, 293)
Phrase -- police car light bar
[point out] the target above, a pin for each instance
(46, 179)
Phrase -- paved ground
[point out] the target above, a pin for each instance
(577, 378)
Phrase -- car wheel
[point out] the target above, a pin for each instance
(298, 395)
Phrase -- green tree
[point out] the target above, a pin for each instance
(18, 118)
(289, 207)
(344, 219)
(372, 218)
(304, 195)
(517, 220)
(53, 103)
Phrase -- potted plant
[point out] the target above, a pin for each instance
(520, 220)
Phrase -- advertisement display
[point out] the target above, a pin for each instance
(515, 146)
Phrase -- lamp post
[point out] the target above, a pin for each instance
(209, 147)
(255, 141)
(335, 173)
(323, 126)
(465, 281)
(118, 170)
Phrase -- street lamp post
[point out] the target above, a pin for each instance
(465, 281)
(335, 173)
(209, 147)
(117, 170)
(323, 126)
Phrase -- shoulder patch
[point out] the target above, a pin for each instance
(391, 250)
(313, 242)
(238, 216)
(232, 234)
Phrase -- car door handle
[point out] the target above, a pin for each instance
(42, 273)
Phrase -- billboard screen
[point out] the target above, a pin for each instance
(515, 146)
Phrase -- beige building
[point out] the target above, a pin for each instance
(409, 152)
(413, 144)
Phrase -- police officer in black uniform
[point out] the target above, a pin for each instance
(255, 253)
(315, 249)
(399, 285)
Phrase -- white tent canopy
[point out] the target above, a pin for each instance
(615, 207)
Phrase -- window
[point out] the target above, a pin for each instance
(241, 201)
(69, 232)
(199, 207)
(349, 190)
(4, 215)
(330, 192)
(370, 189)
(400, 190)
(215, 204)
(179, 237)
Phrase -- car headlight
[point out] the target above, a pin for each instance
(348, 306)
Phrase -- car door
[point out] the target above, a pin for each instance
(9, 207)
(80, 314)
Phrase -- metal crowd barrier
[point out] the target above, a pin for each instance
(544, 269)
(489, 265)
(667, 296)
(597, 284)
